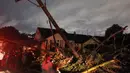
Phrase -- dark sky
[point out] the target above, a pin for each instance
(81, 16)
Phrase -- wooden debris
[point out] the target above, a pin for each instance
(105, 64)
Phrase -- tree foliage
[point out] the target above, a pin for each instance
(111, 30)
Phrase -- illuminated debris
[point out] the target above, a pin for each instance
(103, 65)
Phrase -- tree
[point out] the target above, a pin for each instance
(111, 30)
(10, 33)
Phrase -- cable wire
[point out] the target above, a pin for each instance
(34, 3)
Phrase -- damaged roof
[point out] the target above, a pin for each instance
(78, 38)
(46, 32)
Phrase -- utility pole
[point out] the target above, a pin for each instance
(51, 19)
(53, 34)
(44, 8)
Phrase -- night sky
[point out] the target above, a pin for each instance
(82, 16)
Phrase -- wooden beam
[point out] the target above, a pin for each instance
(100, 65)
